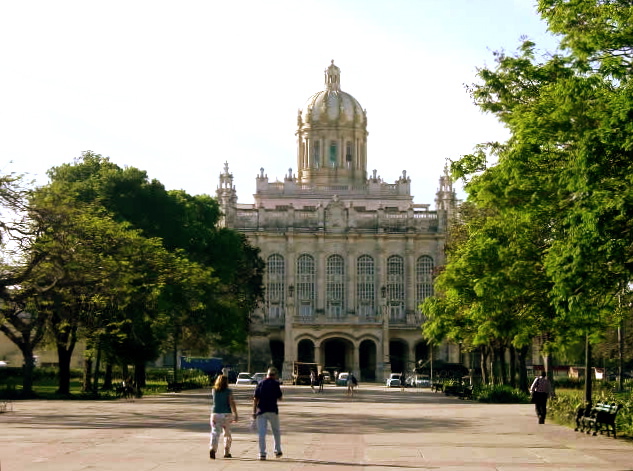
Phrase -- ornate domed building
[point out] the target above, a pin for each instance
(349, 257)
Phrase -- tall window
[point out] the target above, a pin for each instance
(333, 153)
(305, 285)
(316, 154)
(335, 286)
(275, 282)
(365, 287)
(395, 287)
(348, 154)
(423, 279)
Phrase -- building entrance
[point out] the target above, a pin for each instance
(337, 354)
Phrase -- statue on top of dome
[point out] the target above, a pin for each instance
(333, 78)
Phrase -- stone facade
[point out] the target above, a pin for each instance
(349, 257)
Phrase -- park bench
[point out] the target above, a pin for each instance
(599, 418)
(460, 390)
(5, 405)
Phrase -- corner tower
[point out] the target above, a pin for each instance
(332, 136)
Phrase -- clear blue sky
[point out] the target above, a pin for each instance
(178, 88)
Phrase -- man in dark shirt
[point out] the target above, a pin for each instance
(265, 410)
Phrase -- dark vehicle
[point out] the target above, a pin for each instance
(210, 366)
(301, 372)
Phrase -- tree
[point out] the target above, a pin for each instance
(565, 169)
(214, 275)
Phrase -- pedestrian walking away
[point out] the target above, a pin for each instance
(541, 391)
(320, 380)
(223, 413)
(313, 380)
(352, 382)
(266, 410)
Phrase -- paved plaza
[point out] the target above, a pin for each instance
(379, 429)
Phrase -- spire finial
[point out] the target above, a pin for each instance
(333, 78)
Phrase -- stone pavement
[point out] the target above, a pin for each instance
(379, 429)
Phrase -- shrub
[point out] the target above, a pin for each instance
(500, 394)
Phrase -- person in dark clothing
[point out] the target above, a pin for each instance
(265, 410)
(541, 390)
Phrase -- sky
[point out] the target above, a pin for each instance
(177, 88)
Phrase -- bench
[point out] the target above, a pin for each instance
(599, 418)
(5, 405)
(460, 390)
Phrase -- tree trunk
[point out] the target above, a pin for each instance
(485, 376)
(523, 379)
(64, 354)
(87, 386)
(95, 383)
(503, 367)
(27, 371)
(588, 371)
(107, 377)
(513, 366)
(139, 375)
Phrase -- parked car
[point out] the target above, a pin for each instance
(257, 378)
(419, 381)
(3, 364)
(326, 377)
(244, 379)
(394, 380)
(342, 379)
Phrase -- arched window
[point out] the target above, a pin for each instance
(423, 279)
(335, 286)
(365, 287)
(275, 282)
(305, 285)
(395, 288)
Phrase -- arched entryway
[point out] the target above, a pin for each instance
(338, 354)
(421, 354)
(277, 353)
(397, 356)
(305, 351)
(367, 358)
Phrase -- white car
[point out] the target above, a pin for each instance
(244, 379)
(394, 380)
(258, 378)
(3, 364)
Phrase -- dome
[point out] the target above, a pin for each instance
(333, 106)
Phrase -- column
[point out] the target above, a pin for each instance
(356, 360)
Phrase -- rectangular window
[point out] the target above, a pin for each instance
(333, 152)
(348, 152)
(316, 157)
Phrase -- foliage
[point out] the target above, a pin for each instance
(563, 408)
(545, 244)
(104, 254)
(500, 394)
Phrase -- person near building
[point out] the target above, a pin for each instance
(320, 380)
(266, 411)
(352, 382)
(541, 391)
(223, 413)
(313, 380)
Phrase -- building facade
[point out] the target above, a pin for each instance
(349, 257)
